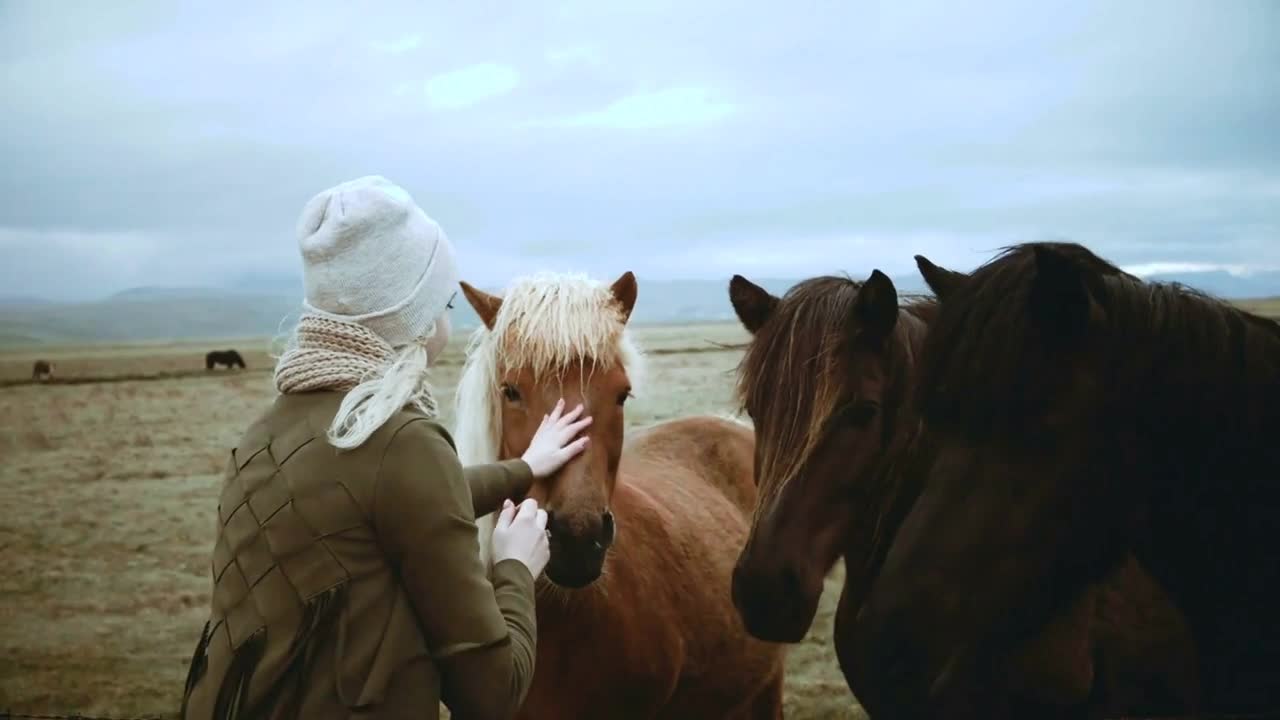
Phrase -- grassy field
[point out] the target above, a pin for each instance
(1266, 307)
(112, 484)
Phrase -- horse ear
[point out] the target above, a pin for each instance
(485, 305)
(941, 281)
(753, 304)
(624, 290)
(1059, 295)
(876, 309)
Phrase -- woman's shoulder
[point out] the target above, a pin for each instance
(418, 460)
(416, 433)
(295, 419)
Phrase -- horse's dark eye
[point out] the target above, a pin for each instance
(510, 393)
(859, 414)
(622, 397)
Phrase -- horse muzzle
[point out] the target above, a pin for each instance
(773, 606)
(579, 544)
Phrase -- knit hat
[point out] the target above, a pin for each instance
(372, 257)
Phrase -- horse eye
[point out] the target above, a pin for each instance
(622, 397)
(510, 393)
(859, 414)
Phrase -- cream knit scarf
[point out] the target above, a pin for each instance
(331, 354)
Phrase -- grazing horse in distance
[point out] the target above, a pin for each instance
(827, 378)
(42, 370)
(230, 358)
(1079, 416)
(633, 612)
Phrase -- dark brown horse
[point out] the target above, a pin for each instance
(229, 358)
(42, 370)
(1080, 416)
(827, 378)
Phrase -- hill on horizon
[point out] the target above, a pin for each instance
(263, 305)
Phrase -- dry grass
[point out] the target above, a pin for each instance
(109, 490)
(1266, 307)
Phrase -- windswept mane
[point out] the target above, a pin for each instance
(985, 347)
(795, 370)
(548, 323)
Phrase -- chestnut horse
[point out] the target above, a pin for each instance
(1081, 415)
(827, 378)
(634, 617)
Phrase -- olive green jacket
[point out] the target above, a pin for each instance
(349, 583)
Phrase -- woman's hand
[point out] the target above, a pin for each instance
(548, 451)
(522, 535)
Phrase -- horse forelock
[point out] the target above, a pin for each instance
(796, 369)
(788, 378)
(548, 324)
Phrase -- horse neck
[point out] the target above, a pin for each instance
(1206, 387)
(1194, 414)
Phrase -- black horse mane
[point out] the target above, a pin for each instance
(988, 349)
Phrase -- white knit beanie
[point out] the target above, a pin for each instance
(371, 256)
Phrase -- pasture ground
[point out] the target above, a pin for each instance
(109, 486)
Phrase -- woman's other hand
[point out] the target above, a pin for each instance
(521, 534)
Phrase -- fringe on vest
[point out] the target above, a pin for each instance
(319, 616)
(195, 670)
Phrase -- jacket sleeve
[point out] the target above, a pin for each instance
(481, 636)
(494, 482)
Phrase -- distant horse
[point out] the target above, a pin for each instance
(1080, 415)
(230, 358)
(42, 370)
(634, 616)
(827, 380)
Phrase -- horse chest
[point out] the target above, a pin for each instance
(602, 663)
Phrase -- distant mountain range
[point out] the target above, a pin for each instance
(261, 305)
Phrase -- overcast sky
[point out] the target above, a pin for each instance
(165, 143)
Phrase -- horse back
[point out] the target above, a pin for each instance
(711, 449)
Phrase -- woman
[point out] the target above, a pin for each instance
(346, 571)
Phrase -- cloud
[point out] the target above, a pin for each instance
(399, 45)
(75, 264)
(672, 107)
(1172, 268)
(577, 54)
(181, 145)
(462, 88)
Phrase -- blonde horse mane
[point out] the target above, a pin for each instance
(547, 323)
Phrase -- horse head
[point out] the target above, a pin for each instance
(822, 380)
(550, 337)
(1021, 506)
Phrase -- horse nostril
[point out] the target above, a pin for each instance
(606, 529)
